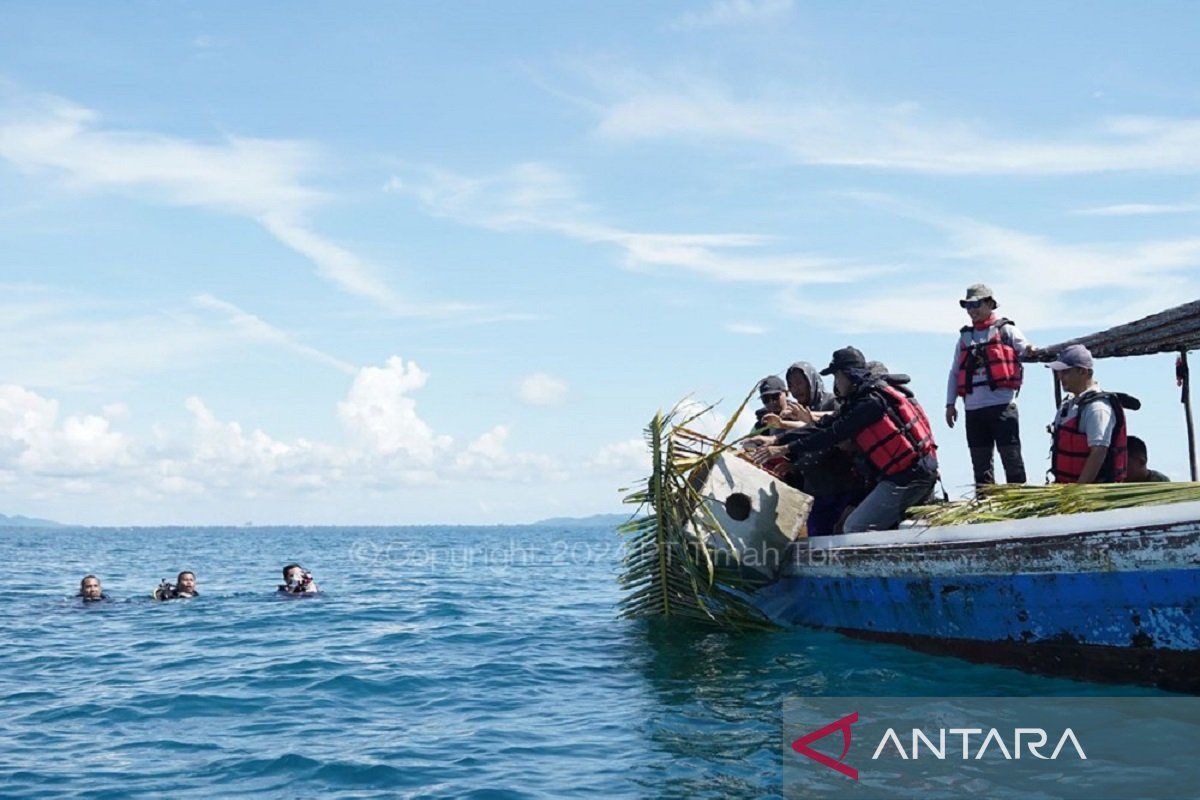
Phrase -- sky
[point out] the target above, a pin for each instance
(407, 263)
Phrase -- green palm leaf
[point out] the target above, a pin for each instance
(669, 568)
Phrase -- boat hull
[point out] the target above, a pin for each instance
(1111, 597)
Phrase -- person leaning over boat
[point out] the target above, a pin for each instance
(1089, 437)
(777, 412)
(828, 476)
(814, 401)
(986, 373)
(889, 428)
(1139, 464)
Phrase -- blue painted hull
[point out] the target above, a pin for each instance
(1118, 602)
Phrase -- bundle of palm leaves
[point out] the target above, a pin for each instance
(670, 570)
(1000, 502)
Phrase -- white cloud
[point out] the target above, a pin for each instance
(735, 12)
(32, 439)
(628, 456)
(1138, 209)
(900, 136)
(541, 389)
(85, 343)
(255, 329)
(537, 197)
(261, 179)
(488, 456)
(380, 415)
(387, 445)
(1033, 273)
(699, 417)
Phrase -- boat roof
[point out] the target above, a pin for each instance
(1171, 331)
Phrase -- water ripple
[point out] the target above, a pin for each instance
(440, 676)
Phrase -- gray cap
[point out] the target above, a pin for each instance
(772, 384)
(1073, 355)
(978, 291)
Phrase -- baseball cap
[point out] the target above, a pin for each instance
(1073, 355)
(772, 384)
(845, 358)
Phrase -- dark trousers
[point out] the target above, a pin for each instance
(998, 427)
(826, 511)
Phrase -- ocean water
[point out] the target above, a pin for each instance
(439, 662)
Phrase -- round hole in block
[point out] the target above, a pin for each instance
(737, 506)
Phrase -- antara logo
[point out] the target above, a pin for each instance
(1036, 739)
(801, 745)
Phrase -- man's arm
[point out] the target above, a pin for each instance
(1091, 467)
(1098, 422)
(841, 427)
(952, 385)
(1018, 340)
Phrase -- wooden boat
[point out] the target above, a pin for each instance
(1109, 595)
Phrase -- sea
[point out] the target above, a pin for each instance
(456, 662)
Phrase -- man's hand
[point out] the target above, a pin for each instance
(772, 421)
(752, 442)
(765, 454)
(804, 414)
(951, 415)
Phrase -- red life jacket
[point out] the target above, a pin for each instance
(900, 437)
(1069, 448)
(996, 355)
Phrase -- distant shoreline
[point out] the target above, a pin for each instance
(593, 521)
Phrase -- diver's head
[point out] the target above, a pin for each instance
(90, 589)
(292, 573)
(185, 582)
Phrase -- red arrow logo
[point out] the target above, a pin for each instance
(801, 745)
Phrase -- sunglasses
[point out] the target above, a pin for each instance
(970, 304)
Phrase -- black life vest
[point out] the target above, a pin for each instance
(996, 356)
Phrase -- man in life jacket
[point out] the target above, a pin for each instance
(986, 373)
(888, 428)
(1090, 441)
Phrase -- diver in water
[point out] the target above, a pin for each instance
(297, 580)
(90, 590)
(184, 587)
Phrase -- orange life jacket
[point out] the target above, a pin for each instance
(900, 437)
(998, 358)
(1069, 448)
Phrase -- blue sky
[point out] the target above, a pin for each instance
(438, 262)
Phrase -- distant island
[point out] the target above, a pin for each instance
(17, 521)
(594, 521)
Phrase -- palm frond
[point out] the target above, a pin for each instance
(670, 569)
(1007, 502)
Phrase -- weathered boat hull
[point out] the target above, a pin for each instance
(1111, 596)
